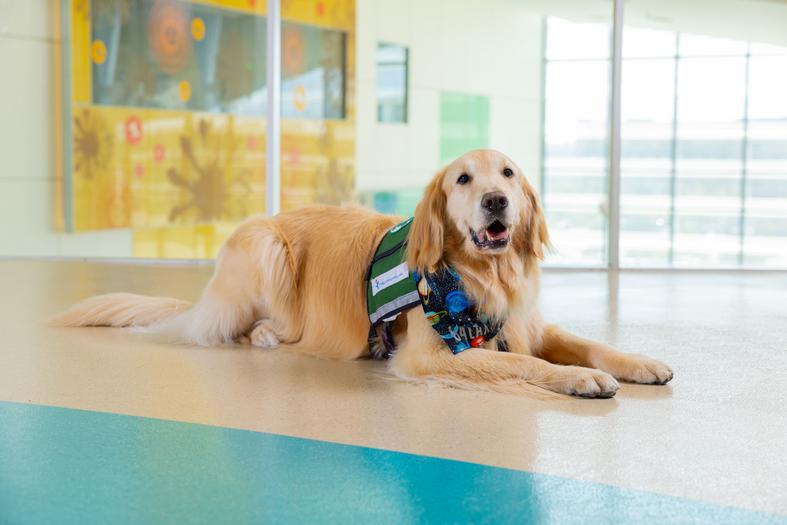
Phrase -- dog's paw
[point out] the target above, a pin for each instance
(262, 335)
(583, 382)
(639, 369)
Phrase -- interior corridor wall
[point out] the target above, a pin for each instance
(474, 47)
(27, 171)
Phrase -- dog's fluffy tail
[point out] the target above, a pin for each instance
(212, 320)
(252, 268)
(215, 319)
(120, 309)
(222, 313)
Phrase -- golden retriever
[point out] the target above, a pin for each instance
(298, 279)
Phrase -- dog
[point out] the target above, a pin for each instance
(299, 279)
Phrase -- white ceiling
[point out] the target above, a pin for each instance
(755, 20)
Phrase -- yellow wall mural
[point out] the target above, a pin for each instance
(164, 116)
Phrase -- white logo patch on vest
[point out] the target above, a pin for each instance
(389, 278)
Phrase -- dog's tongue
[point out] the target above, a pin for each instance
(496, 236)
(496, 231)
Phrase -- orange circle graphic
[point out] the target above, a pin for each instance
(293, 52)
(169, 36)
(299, 99)
(184, 90)
(98, 51)
(198, 28)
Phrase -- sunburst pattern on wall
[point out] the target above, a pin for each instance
(208, 177)
(93, 144)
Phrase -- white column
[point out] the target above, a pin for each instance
(273, 110)
(613, 242)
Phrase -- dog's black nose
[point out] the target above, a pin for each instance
(494, 201)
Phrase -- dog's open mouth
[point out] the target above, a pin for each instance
(494, 236)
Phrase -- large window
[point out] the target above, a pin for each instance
(576, 131)
(703, 148)
(695, 154)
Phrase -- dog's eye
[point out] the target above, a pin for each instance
(464, 178)
(508, 172)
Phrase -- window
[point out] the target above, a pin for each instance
(392, 83)
(703, 172)
(703, 148)
(576, 131)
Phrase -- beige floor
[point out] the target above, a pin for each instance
(718, 433)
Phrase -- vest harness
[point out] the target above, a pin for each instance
(391, 288)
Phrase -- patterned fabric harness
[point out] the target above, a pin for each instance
(391, 288)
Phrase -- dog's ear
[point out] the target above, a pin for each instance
(425, 245)
(536, 235)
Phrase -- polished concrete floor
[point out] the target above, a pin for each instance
(710, 446)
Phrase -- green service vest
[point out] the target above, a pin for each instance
(390, 287)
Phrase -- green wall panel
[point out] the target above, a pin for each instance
(464, 124)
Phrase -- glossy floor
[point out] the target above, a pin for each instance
(709, 447)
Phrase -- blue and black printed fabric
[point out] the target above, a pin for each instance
(451, 313)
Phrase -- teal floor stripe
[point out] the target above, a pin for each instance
(71, 466)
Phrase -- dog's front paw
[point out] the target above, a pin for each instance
(583, 382)
(262, 335)
(639, 369)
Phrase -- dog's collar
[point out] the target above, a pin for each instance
(392, 289)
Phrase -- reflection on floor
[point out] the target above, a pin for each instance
(340, 440)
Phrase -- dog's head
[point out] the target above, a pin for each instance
(482, 205)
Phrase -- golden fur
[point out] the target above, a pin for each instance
(298, 279)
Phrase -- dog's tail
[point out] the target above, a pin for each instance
(223, 312)
(120, 309)
(252, 265)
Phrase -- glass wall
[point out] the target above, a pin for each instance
(704, 140)
(704, 137)
(576, 139)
